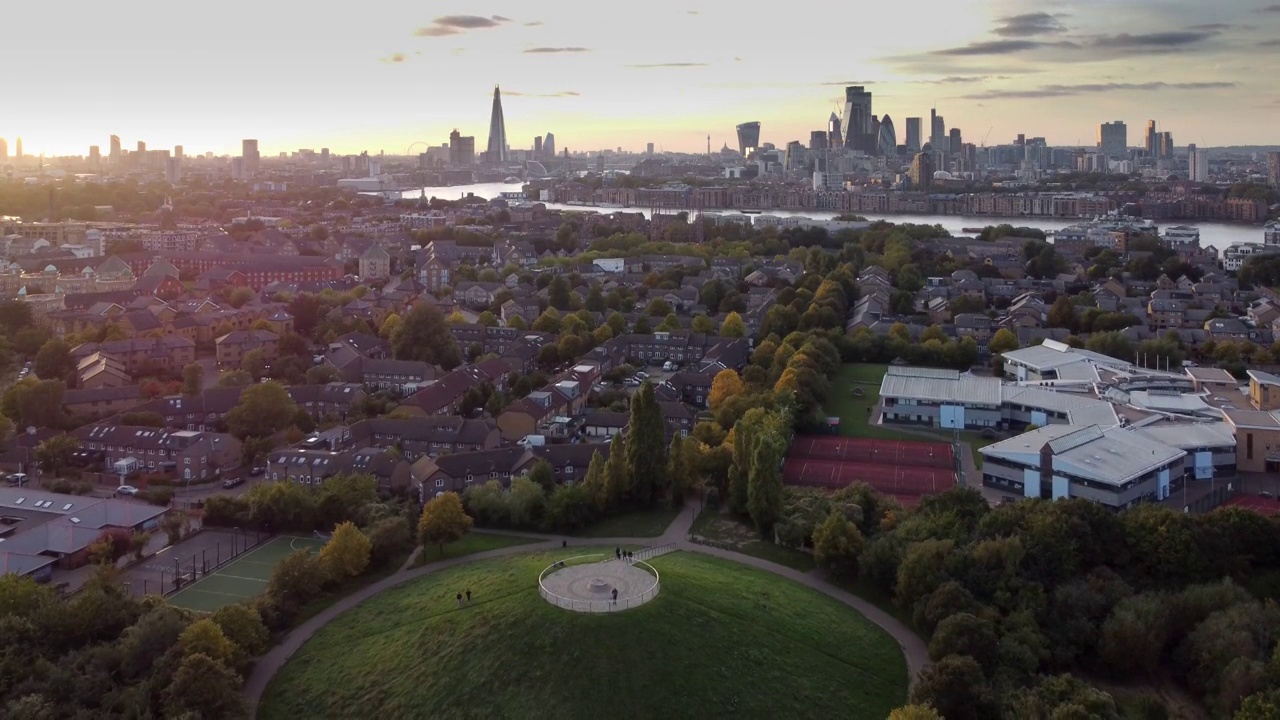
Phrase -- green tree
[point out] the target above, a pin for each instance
(242, 625)
(391, 325)
(206, 637)
(617, 475)
(443, 521)
(658, 307)
(192, 379)
(597, 481)
(388, 538)
(347, 552)
(1062, 314)
(204, 688)
(294, 580)
(548, 321)
(915, 712)
(965, 634)
(733, 326)
(1003, 341)
(702, 324)
(425, 336)
(264, 410)
(235, 378)
(54, 454)
(764, 479)
(680, 468)
(955, 687)
(837, 543)
(488, 319)
(558, 293)
(54, 362)
(35, 403)
(254, 362)
(542, 474)
(646, 448)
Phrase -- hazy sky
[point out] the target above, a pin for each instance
(383, 74)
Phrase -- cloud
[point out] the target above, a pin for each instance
(1036, 23)
(535, 23)
(1051, 91)
(692, 12)
(849, 82)
(960, 79)
(554, 50)
(457, 24)
(990, 47)
(669, 65)
(1270, 8)
(397, 57)
(564, 93)
(1269, 43)
(1150, 42)
(1211, 26)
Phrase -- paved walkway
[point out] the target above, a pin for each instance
(913, 648)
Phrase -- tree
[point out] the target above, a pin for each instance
(205, 688)
(322, 375)
(726, 384)
(239, 297)
(387, 538)
(425, 336)
(35, 403)
(658, 307)
(443, 521)
(54, 454)
(617, 477)
(733, 326)
(54, 362)
(235, 378)
(548, 321)
(264, 410)
(955, 687)
(254, 362)
(1062, 314)
(243, 626)
(965, 634)
(764, 479)
(1003, 341)
(915, 712)
(543, 476)
(294, 581)
(702, 324)
(391, 325)
(205, 637)
(558, 293)
(680, 467)
(192, 379)
(837, 543)
(646, 448)
(487, 319)
(346, 555)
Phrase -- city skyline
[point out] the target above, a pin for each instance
(1010, 65)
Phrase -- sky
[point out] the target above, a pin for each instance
(382, 75)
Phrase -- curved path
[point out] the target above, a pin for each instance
(913, 648)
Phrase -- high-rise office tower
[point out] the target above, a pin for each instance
(648, 149)
(834, 138)
(537, 148)
(794, 156)
(1152, 145)
(1113, 139)
(462, 150)
(249, 151)
(497, 149)
(858, 133)
(818, 140)
(954, 142)
(1273, 169)
(324, 155)
(17, 150)
(4, 150)
(922, 169)
(177, 151)
(173, 170)
(549, 146)
(748, 138)
(95, 156)
(115, 150)
(142, 148)
(1165, 145)
(913, 134)
(886, 138)
(1197, 164)
(937, 131)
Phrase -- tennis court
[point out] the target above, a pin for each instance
(243, 578)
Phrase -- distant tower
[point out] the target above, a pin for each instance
(858, 131)
(1152, 141)
(18, 150)
(497, 151)
(549, 146)
(886, 138)
(537, 148)
(913, 134)
(833, 132)
(4, 150)
(115, 150)
(249, 151)
(748, 138)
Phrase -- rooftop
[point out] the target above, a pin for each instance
(940, 386)
(1111, 456)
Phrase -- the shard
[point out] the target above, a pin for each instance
(497, 151)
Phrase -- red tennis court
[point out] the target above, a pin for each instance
(874, 452)
(1256, 503)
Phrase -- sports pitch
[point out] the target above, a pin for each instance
(243, 578)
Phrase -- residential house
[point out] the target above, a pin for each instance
(101, 370)
(192, 455)
(375, 264)
(101, 402)
(144, 356)
(232, 347)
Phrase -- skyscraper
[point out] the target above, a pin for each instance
(4, 150)
(887, 138)
(1153, 142)
(1197, 164)
(462, 150)
(115, 150)
(249, 151)
(177, 151)
(834, 138)
(858, 134)
(818, 140)
(549, 146)
(1113, 139)
(648, 149)
(1165, 145)
(937, 131)
(922, 171)
(913, 134)
(17, 152)
(1273, 169)
(955, 142)
(95, 155)
(142, 148)
(748, 137)
(497, 150)
(537, 148)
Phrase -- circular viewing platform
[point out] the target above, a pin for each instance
(587, 583)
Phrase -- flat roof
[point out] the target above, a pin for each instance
(1190, 436)
(1111, 456)
(1213, 375)
(1263, 378)
(1252, 419)
(1080, 409)
(1040, 357)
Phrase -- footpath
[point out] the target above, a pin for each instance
(677, 533)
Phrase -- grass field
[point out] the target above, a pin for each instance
(721, 640)
(470, 544)
(637, 524)
(243, 578)
(722, 530)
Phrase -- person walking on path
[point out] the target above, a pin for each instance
(618, 552)
(459, 600)
(468, 596)
(615, 596)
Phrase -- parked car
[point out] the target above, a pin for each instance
(127, 490)
(16, 480)
(1265, 494)
(257, 470)
(642, 375)
(232, 482)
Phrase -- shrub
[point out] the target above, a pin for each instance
(157, 495)
(712, 498)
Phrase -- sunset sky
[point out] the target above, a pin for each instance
(381, 75)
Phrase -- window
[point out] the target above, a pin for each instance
(440, 481)
(186, 461)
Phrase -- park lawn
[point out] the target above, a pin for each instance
(722, 530)
(473, 542)
(649, 523)
(721, 640)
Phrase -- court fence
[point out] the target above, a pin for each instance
(180, 571)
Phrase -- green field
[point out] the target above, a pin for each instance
(470, 544)
(636, 524)
(722, 530)
(721, 640)
(243, 578)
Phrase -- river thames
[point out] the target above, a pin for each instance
(1212, 234)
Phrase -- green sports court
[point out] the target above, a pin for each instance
(243, 578)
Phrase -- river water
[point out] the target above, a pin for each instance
(1212, 234)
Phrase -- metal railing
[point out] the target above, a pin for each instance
(599, 606)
